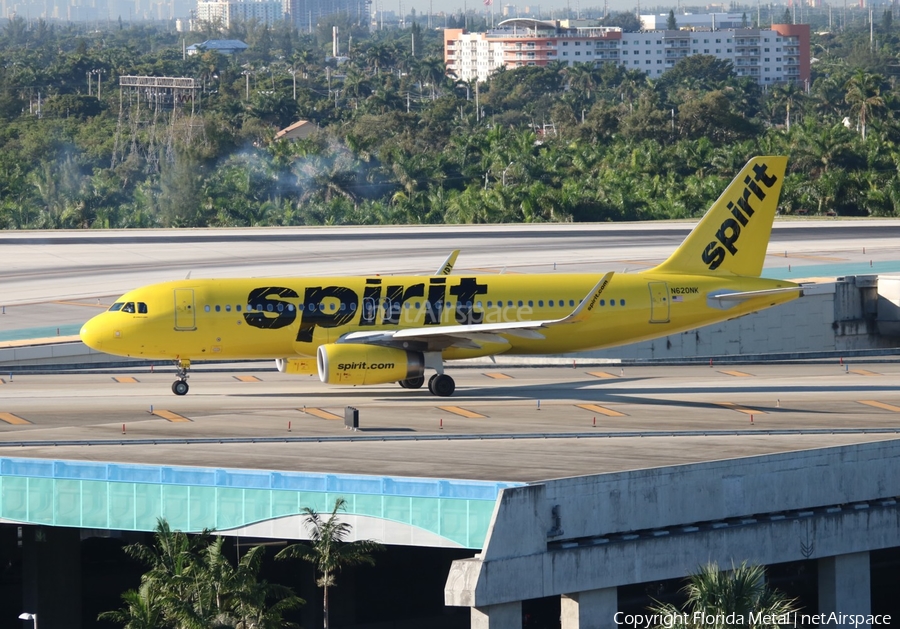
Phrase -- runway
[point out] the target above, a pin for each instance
(521, 424)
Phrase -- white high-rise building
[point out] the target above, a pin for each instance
(776, 55)
(224, 12)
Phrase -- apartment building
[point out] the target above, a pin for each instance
(226, 12)
(776, 55)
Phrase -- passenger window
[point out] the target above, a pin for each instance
(290, 307)
(218, 308)
(238, 307)
(269, 307)
(490, 303)
(572, 302)
(520, 303)
(530, 304)
(621, 302)
(612, 302)
(227, 307)
(602, 302)
(116, 306)
(550, 303)
(129, 307)
(478, 304)
(206, 308)
(353, 307)
(509, 303)
(540, 303)
(142, 308)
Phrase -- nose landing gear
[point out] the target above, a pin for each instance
(180, 386)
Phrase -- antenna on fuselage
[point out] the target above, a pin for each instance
(188, 276)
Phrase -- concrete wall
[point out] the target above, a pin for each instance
(595, 532)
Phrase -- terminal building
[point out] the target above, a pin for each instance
(779, 54)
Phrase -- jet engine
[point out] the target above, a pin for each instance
(357, 363)
(302, 366)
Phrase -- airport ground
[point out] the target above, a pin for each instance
(505, 422)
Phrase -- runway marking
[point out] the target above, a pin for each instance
(125, 379)
(80, 303)
(319, 412)
(456, 410)
(741, 409)
(864, 372)
(602, 410)
(170, 416)
(247, 379)
(9, 418)
(498, 376)
(881, 405)
(601, 374)
(736, 374)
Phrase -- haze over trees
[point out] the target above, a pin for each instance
(401, 142)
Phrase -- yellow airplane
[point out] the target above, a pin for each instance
(373, 330)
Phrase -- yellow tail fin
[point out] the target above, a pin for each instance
(731, 239)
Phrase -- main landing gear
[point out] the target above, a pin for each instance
(413, 383)
(439, 384)
(180, 386)
(442, 385)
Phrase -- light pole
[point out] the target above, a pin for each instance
(27, 616)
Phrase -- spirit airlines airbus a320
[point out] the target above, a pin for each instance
(373, 330)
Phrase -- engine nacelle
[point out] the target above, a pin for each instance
(302, 366)
(357, 363)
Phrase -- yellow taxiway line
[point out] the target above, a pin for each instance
(601, 410)
(456, 410)
(170, 416)
(318, 412)
(9, 418)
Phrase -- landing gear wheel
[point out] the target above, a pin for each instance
(442, 385)
(413, 383)
(180, 386)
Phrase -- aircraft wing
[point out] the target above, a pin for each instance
(469, 336)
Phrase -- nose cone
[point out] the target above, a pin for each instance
(92, 333)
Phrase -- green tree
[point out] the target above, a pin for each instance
(329, 549)
(671, 22)
(864, 96)
(739, 591)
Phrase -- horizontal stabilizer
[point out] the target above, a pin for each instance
(727, 300)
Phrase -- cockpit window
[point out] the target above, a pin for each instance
(142, 308)
(116, 306)
(129, 307)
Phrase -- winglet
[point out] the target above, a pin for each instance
(446, 267)
(732, 237)
(587, 305)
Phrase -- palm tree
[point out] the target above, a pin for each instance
(329, 551)
(864, 96)
(141, 611)
(740, 591)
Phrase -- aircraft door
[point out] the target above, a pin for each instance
(185, 318)
(659, 302)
